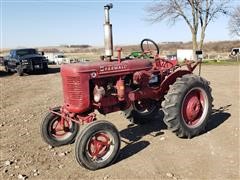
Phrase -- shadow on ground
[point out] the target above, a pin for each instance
(4, 73)
(218, 117)
(51, 70)
(133, 134)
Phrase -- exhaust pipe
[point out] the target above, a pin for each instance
(108, 41)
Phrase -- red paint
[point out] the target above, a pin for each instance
(157, 93)
(98, 145)
(80, 79)
(120, 86)
(58, 129)
(163, 64)
(193, 107)
(119, 50)
(65, 115)
(76, 77)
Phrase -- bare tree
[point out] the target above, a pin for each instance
(196, 13)
(234, 22)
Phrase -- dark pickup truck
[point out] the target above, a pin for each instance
(25, 61)
(1, 61)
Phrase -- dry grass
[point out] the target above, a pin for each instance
(212, 50)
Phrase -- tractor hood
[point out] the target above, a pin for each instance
(105, 69)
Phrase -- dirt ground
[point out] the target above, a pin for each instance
(148, 152)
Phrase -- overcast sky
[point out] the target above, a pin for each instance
(29, 23)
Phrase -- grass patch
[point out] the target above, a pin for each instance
(221, 62)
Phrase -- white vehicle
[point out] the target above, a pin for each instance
(56, 58)
(183, 54)
(235, 52)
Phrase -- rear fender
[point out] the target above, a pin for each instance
(170, 80)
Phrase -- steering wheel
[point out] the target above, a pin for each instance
(149, 47)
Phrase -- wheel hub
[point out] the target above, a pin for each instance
(99, 145)
(59, 129)
(193, 106)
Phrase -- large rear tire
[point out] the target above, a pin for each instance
(187, 106)
(54, 134)
(97, 145)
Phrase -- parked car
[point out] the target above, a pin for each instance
(57, 58)
(183, 54)
(171, 56)
(235, 52)
(25, 61)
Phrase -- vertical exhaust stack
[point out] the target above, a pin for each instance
(108, 42)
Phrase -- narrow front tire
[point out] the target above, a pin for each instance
(55, 133)
(97, 145)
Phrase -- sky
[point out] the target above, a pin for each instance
(37, 23)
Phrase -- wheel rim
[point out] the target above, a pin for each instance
(100, 146)
(194, 107)
(144, 107)
(61, 131)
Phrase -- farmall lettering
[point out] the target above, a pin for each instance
(112, 68)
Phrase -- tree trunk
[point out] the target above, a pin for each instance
(194, 43)
(202, 38)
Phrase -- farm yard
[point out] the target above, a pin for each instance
(147, 151)
(134, 112)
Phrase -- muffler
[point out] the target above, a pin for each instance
(108, 41)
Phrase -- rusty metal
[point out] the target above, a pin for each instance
(79, 119)
(120, 86)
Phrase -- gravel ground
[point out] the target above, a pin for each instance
(147, 152)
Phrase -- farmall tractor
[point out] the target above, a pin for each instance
(138, 87)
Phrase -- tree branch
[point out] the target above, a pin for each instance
(192, 12)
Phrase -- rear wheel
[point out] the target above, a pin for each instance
(8, 69)
(56, 133)
(187, 106)
(97, 145)
(142, 111)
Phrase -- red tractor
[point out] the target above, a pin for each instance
(138, 87)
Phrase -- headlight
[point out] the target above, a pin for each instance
(24, 61)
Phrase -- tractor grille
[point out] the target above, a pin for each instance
(73, 91)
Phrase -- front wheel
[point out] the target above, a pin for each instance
(187, 106)
(56, 132)
(20, 70)
(45, 69)
(97, 145)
